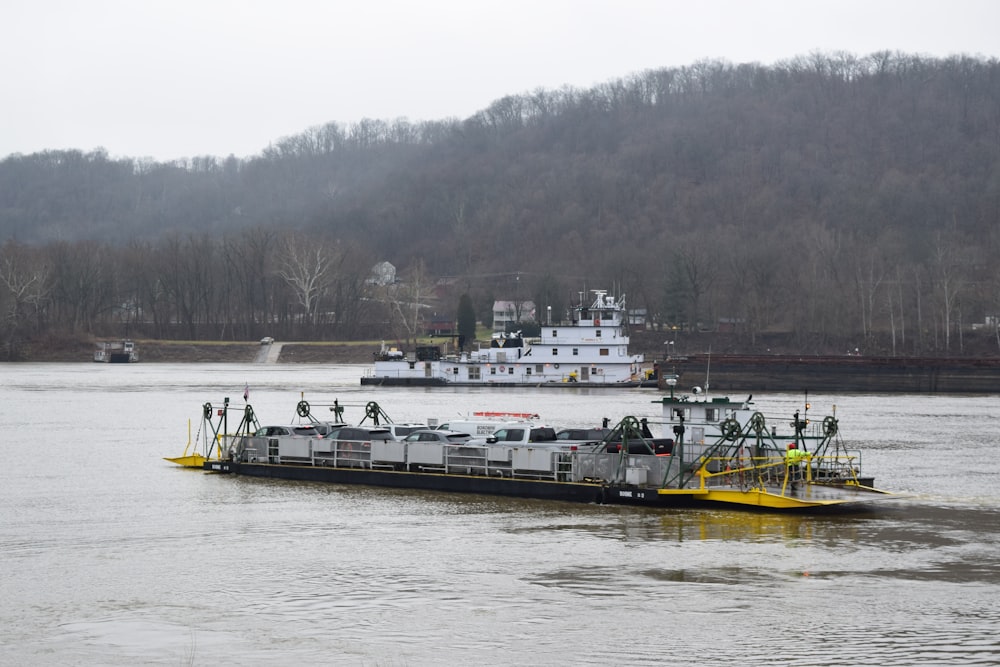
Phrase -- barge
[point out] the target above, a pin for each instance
(710, 451)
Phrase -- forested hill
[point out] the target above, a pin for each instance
(872, 145)
(710, 191)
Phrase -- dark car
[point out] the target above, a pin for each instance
(327, 428)
(585, 434)
(434, 435)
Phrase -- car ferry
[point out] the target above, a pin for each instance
(590, 348)
(708, 452)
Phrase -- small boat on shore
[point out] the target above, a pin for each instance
(116, 352)
(710, 451)
(590, 348)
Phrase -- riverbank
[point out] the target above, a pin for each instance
(723, 372)
(159, 351)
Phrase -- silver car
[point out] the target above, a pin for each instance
(436, 435)
(300, 430)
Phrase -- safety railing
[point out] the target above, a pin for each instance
(783, 472)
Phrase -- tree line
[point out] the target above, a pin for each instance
(834, 198)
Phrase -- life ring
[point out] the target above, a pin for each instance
(597, 322)
(502, 369)
(555, 365)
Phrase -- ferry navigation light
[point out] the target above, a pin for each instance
(671, 382)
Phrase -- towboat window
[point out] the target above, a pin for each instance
(474, 373)
(555, 352)
(554, 333)
(597, 333)
(527, 371)
(493, 370)
(576, 351)
(604, 352)
(510, 370)
(711, 414)
(539, 369)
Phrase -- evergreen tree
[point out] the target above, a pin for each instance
(466, 320)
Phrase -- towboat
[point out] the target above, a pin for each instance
(710, 451)
(589, 348)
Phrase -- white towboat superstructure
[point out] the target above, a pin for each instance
(590, 348)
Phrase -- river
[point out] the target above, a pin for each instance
(110, 555)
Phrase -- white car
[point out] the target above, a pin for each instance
(400, 430)
(266, 340)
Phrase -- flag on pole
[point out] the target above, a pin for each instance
(246, 392)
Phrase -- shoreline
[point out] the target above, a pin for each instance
(725, 372)
(199, 352)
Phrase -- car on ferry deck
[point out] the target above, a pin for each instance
(295, 430)
(586, 434)
(328, 428)
(361, 434)
(401, 430)
(436, 435)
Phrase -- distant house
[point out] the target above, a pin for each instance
(511, 313)
(382, 274)
(439, 325)
(728, 324)
(637, 318)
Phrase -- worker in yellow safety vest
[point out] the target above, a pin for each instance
(794, 455)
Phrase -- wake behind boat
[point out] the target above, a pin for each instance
(709, 452)
(590, 348)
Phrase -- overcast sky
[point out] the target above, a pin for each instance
(167, 79)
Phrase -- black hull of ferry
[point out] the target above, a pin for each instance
(575, 492)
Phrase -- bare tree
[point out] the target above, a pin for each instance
(406, 300)
(306, 265)
(949, 282)
(25, 280)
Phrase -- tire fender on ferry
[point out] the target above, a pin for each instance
(555, 365)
